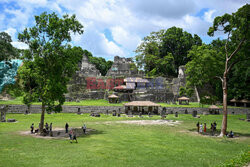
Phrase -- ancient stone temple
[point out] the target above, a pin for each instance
(87, 69)
(121, 67)
(88, 83)
(77, 85)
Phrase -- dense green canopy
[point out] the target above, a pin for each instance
(162, 52)
(50, 61)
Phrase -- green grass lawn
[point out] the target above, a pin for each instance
(118, 144)
(102, 102)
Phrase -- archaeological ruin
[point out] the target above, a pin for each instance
(123, 81)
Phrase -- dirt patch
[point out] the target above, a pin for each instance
(58, 133)
(151, 122)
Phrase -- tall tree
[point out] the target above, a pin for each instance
(52, 59)
(236, 26)
(162, 52)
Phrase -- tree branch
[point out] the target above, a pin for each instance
(229, 68)
(237, 49)
(227, 43)
(219, 78)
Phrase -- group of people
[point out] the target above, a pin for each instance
(72, 133)
(47, 128)
(203, 127)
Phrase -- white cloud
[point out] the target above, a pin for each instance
(128, 21)
(110, 47)
(124, 38)
(12, 32)
(20, 45)
(208, 16)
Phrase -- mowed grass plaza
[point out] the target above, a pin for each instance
(114, 143)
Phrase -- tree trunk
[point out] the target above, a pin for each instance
(224, 120)
(42, 119)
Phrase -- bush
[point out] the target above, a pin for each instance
(241, 160)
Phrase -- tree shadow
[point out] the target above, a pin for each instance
(217, 133)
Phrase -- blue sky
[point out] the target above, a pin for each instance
(116, 27)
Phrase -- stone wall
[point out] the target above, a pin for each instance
(103, 109)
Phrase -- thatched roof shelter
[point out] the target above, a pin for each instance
(142, 103)
(183, 99)
(214, 107)
(234, 100)
(113, 97)
(142, 107)
(244, 101)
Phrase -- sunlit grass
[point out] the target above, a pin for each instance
(116, 144)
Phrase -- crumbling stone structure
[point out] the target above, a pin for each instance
(77, 85)
(157, 89)
(122, 67)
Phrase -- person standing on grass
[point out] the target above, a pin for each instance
(198, 126)
(201, 128)
(74, 136)
(32, 128)
(212, 129)
(84, 129)
(66, 127)
(47, 127)
(70, 135)
(205, 127)
(215, 126)
(50, 129)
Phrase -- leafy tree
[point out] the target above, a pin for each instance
(28, 84)
(50, 60)
(8, 52)
(205, 64)
(236, 26)
(210, 62)
(162, 52)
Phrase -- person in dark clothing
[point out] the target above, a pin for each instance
(84, 129)
(198, 126)
(66, 127)
(74, 137)
(50, 129)
(231, 134)
(47, 127)
(215, 126)
(212, 129)
(32, 128)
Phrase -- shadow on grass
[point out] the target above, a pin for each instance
(207, 133)
(217, 133)
(90, 133)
